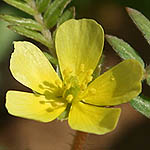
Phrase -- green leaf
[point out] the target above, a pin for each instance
(21, 5)
(142, 105)
(141, 22)
(30, 34)
(42, 5)
(54, 11)
(68, 14)
(28, 1)
(27, 23)
(51, 58)
(123, 49)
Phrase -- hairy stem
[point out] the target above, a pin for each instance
(46, 32)
(79, 140)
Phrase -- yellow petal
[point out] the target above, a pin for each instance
(29, 66)
(92, 119)
(118, 85)
(31, 106)
(79, 45)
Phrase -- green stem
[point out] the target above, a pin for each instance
(79, 140)
(46, 32)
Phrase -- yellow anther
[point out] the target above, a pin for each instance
(58, 83)
(89, 78)
(68, 86)
(69, 98)
(92, 91)
(66, 72)
(83, 86)
(82, 68)
(89, 72)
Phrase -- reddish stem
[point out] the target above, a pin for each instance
(79, 140)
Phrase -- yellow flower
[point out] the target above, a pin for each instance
(79, 45)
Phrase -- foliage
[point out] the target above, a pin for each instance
(44, 16)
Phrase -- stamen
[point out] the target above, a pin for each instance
(89, 72)
(89, 78)
(74, 86)
(83, 86)
(66, 72)
(68, 86)
(69, 98)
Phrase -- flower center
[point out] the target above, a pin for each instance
(73, 86)
(71, 90)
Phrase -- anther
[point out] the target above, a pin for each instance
(83, 86)
(82, 68)
(89, 79)
(66, 72)
(69, 98)
(89, 72)
(68, 86)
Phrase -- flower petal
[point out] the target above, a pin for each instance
(79, 45)
(93, 119)
(118, 85)
(29, 66)
(31, 106)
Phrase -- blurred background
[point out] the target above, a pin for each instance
(133, 130)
